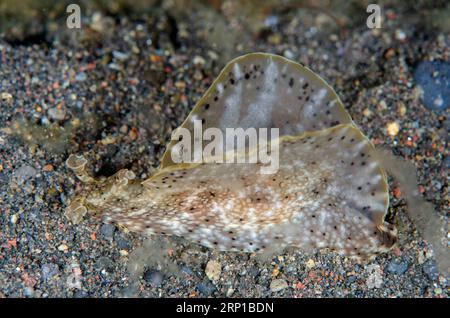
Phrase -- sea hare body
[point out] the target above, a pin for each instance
(329, 190)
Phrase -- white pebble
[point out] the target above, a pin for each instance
(213, 270)
(277, 285)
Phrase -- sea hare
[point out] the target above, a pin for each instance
(330, 190)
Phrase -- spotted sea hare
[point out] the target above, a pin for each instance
(330, 190)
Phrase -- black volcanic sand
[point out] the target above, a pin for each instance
(115, 90)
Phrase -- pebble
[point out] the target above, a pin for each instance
(56, 113)
(277, 285)
(24, 173)
(310, 263)
(114, 66)
(400, 35)
(130, 291)
(375, 278)
(274, 39)
(198, 75)
(80, 77)
(213, 270)
(111, 150)
(104, 263)
(390, 53)
(254, 272)
(14, 218)
(367, 112)
(397, 268)
(433, 80)
(98, 23)
(108, 140)
(407, 151)
(393, 128)
(431, 270)
(7, 97)
(382, 105)
(198, 60)
(63, 248)
(122, 243)
(421, 257)
(73, 282)
(401, 109)
(107, 230)
(48, 168)
(271, 21)
(123, 253)
(180, 85)
(333, 37)
(123, 129)
(49, 270)
(154, 278)
(29, 292)
(187, 271)
(275, 272)
(120, 55)
(351, 279)
(288, 54)
(206, 288)
(133, 134)
(80, 294)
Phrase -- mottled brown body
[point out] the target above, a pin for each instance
(304, 204)
(329, 190)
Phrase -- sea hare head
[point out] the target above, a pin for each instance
(96, 191)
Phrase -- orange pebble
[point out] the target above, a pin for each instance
(48, 168)
(134, 133)
(421, 189)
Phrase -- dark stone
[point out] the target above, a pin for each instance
(357, 268)
(122, 243)
(446, 163)
(49, 270)
(351, 279)
(206, 288)
(253, 272)
(397, 268)
(434, 79)
(24, 173)
(431, 270)
(187, 271)
(407, 151)
(130, 291)
(80, 294)
(104, 263)
(153, 278)
(107, 230)
(111, 150)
